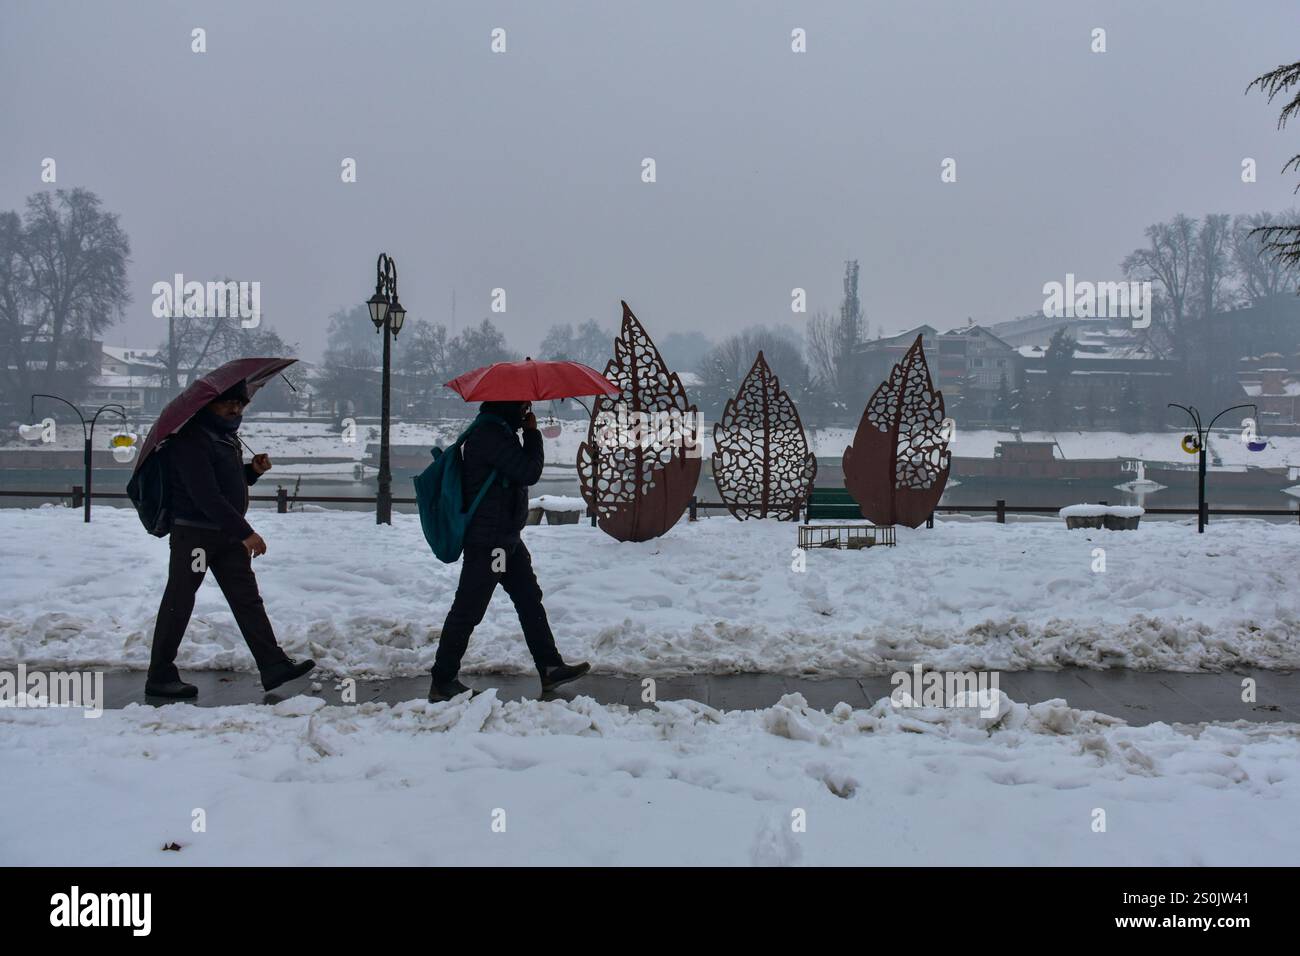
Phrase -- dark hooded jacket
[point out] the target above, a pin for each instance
(209, 480)
(503, 512)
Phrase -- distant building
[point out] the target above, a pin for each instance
(973, 366)
(1275, 390)
(1272, 325)
(871, 362)
(134, 378)
(1038, 329)
(967, 364)
(1107, 365)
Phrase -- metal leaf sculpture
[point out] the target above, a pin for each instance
(640, 463)
(898, 463)
(761, 462)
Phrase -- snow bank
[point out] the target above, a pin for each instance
(485, 782)
(714, 596)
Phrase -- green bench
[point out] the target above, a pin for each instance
(835, 504)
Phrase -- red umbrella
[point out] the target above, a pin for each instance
(256, 372)
(530, 381)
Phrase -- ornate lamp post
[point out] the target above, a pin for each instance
(87, 434)
(1202, 436)
(388, 315)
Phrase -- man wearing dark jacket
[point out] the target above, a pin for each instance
(209, 481)
(494, 552)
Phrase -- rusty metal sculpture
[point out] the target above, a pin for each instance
(898, 463)
(761, 461)
(640, 463)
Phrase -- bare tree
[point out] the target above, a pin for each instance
(424, 360)
(75, 256)
(1167, 262)
(822, 347)
(589, 344)
(19, 320)
(724, 367)
(477, 346)
(198, 343)
(1262, 274)
(1212, 265)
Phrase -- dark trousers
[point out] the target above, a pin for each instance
(480, 572)
(233, 569)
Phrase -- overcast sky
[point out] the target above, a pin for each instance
(522, 170)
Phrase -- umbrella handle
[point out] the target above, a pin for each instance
(245, 444)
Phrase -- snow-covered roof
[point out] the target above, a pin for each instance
(1257, 390)
(137, 356)
(1136, 351)
(125, 381)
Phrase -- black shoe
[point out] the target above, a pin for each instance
(446, 690)
(169, 688)
(285, 671)
(553, 677)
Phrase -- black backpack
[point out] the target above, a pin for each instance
(150, 491)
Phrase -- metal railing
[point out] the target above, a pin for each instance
(999, 508)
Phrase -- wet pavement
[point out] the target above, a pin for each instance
(1140, 697)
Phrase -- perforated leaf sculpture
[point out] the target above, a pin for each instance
(898, 463)
(761, 462)
(640, 463)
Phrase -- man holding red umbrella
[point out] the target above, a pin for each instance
(494, 552)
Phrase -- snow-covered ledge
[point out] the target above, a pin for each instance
(1114, 517)
(558, 509)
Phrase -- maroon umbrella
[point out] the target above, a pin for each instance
(256, 372)
(530, 381)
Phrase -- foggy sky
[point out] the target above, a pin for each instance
(523, 170)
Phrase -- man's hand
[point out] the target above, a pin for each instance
(255, 545)
(261, 463)
(530, 421)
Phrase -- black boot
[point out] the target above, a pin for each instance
(285, 671)
(553, 677)
(446, 690)
(169, 687)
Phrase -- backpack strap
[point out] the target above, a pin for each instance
(492, 475)
(496, 420)
(478, 498)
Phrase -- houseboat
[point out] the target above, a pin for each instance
(1014, 461)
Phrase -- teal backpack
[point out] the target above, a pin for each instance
(438, 495)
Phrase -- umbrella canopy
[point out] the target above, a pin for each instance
(256, 372)
(530, 381)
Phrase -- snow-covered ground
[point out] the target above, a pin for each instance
(715, 596)
(488, 783)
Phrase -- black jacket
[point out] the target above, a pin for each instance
(209, 480)
(504, 509)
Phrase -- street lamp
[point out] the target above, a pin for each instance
(87, 434)
(1202, 440)
(387, 313)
